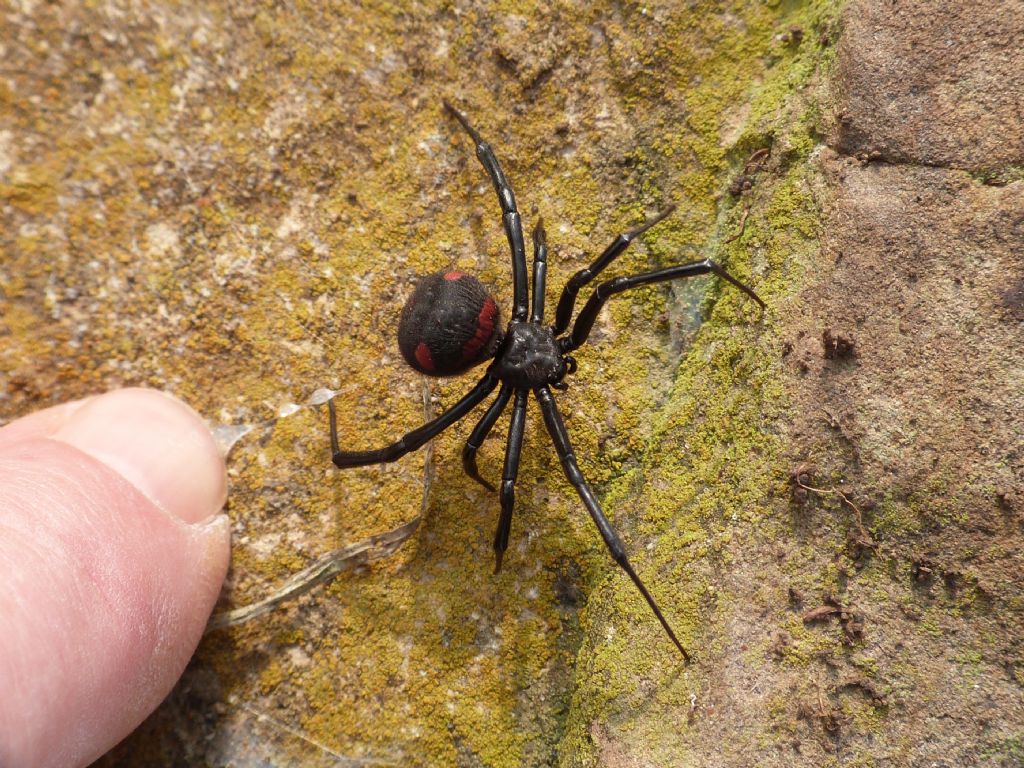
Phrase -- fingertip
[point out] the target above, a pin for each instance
(216, 557)
(107, 598)
(157, 443)
(114, 555)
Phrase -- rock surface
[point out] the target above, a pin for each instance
(930, 83)
(231, 203)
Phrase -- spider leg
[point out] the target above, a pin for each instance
(556, 428)
(480, 432)
(563, 314)
(585, 319)
(414, 439)
(540, 271)
(510, 215)
(508, 476)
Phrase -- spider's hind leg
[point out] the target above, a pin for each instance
(508, 476)
(412, 440)
(556, 427)
(479, 434)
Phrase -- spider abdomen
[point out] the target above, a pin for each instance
(449, 324)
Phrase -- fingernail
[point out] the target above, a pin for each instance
(158, 444)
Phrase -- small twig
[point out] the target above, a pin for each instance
(323, 570)
(834, 492)
(866, 538)
(344, 760)
(326, 568)
(743, 226)
(756, 161)
(851, 619)
(821, 612)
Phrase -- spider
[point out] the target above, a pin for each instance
(451, 323)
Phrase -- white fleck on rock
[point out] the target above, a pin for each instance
(162, 239)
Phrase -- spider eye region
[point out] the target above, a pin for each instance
(529, 357)
(449, 324)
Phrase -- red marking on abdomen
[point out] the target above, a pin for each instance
(454, 275)
(484, 330)
(424, 358)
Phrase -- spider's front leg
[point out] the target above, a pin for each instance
(510, 214)
(560, 437)
(585, 319)
(413, 440)
(563, 312)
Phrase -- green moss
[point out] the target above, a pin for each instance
(808, 643)
(1011, 748)
(999, 177)
(863, 715)
(867, 665)
(861, 760)
(894, 518)
(710, 457)
(31, 190)
(931, 623)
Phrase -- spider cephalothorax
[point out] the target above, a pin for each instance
(451, 323)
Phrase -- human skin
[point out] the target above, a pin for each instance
(112, 553)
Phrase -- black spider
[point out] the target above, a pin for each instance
(451, 323)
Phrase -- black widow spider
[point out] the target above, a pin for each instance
(450, 323)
